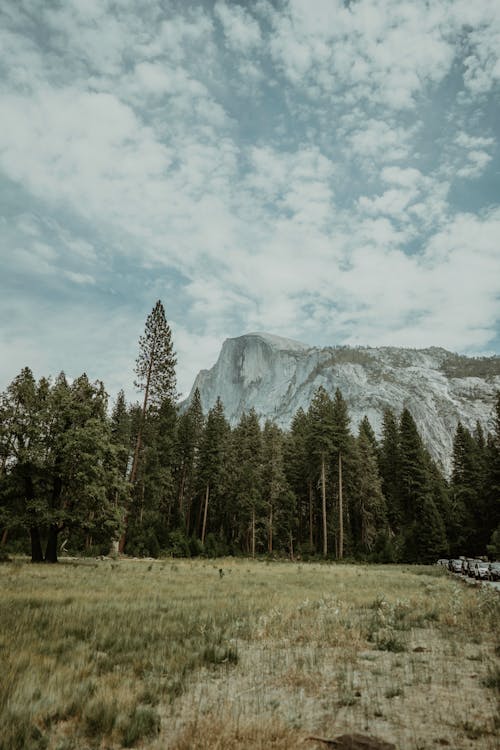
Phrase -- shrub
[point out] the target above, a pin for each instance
(144, 722)
(178, 544)
(99, 717)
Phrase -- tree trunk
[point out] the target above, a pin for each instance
(36, 545)
(253, 532)
(291, 547)
(51, 548)
(187, 524)
(205, 512)
(141, 513)
(198, 523)
(7, 447)
(311, 520)
(181, 493)
(168, 504)
(341, 512)
(135, 462)
(323, 506)
(123, 538)
(4, 537)
(138, 442)
(270, 542)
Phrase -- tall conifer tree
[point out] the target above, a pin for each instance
(424, 532)
(189, 436)
(492, 490)
(298, 471)
(320, 447)
(155, 371)
(211, 472)
(248, 480)
(390, 470)
(370, 501)
(275, 489)
(341, 441)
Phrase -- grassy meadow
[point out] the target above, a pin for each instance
(244, 654)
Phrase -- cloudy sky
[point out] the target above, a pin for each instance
(323, 170)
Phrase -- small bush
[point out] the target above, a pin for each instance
(492, 680)
(99, 717)
(144, 722)
(390, 643)
(393, 692)
(178, 544)
(195, 546)
(214, 547)
(17, 734)
(213, 654)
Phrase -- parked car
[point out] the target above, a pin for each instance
(482, 570)
(468, 567)
(494, 571)
(455, 566)
(443, 562)
(471, 570)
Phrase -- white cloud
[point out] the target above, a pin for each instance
(452, 291)
(79, 278)
(476, 162)
(417, 203)
(473, 141)
(241, 30)
(282, 166)
(377, 140)
(386, 51)
(299, 183)
(76, 144)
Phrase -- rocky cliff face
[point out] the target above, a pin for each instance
(276, 376)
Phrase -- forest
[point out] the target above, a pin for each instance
(150, 479)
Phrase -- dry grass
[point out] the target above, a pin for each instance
(170, 654)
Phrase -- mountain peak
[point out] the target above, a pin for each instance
(276, 376)
(276, 342)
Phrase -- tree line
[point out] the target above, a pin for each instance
(148, 479)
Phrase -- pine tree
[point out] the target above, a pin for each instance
(153, 496)
(390, 470)
(247, 440)
(276, 491)
(366, 429)
(155, 371)
(370, 502)
(492, 484)
(464, 490)
(298, 472)
(425, 538)
(341, 444)
(121, 432)
(189, 435)
(211, 475)
(320, 446)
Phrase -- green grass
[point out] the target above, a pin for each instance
(140, 654)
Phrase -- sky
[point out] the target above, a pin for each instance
(323, 170)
